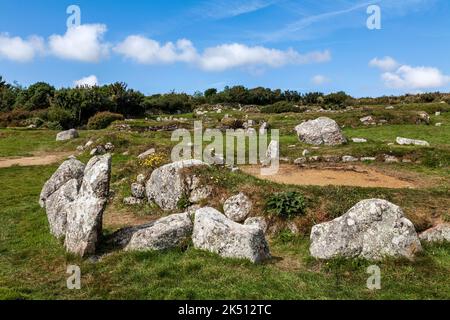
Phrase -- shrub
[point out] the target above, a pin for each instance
(232, 123)
(153, 161)
(286, 204)
(61, 116)
(103, 119)
(14, 118)
(282, 107)
(52, 125)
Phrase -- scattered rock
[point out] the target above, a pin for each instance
(390, 108)
(167, 185)
(437, 114)
(373, 229)
(440, 233)
(406, 141)
(132, 201)
(391, 159)
(423, 117)
(146, 154)
(138, 190)
(320, 131)
(359, 140)
(165, 233)
(259, 222)
(331, 159)
(305, 153)
(302, 160)
(238, 207)
(368, 120)
(216, 233)
(438, 124)
(88, 144)
(140, 179)
(368, 159)
(67, 135)
(349, 159)
(109, 147)
(98, 150)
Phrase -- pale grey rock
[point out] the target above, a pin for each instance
(320, 131)
(272, 153)
(368, 159)
(67, 135)
(141, 179)
(167, 185)
(132, 201)
(138, 190)
(349, 159)
(367, 120)
(359, 140)
(69, 169)
(165, 233)
(437, 113)
(423, 117)
(88, 144)
(216, 233)
(109, 147)
(439, 124)
(440, 233)
(259, 222)
(56, 206)
(263, 128)
(306, 153)
(391, 159)
(238, 207)
(80, 148)
(98, 150)
(373, 229)
(407, 142)
(146, 154)
(85, 213)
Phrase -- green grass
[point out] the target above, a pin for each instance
(33, 264)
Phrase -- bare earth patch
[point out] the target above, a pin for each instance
(36, 160)
(357, 176)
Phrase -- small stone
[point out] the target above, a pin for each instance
(300, 161)
(140, 179)
(238, 207)
(259, 222)
(391, 159)
(132, 201)
(440, 233)
(406, 141)
(359, 140)
(146, 154)
(305, 152)
(67, 135)
(138, 190)
(349, 159)
(368, 159)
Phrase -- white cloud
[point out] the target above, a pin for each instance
(320, 80)
(385, 64)
(407, 77)
(90, 81)
(148, 51)
(82, 43)
(20, 50)
(219, 58)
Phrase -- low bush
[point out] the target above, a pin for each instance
(286, 204)
(103, 119)
(62, 116)
(282, 107)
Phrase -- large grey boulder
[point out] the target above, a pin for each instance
(216, 233)
(320, 131)
(407, 142)
(440, 233)
(372, 229)
(57, 205)
(68, 170)
(167, 185)
(165, 233)
(237, 208)
(85, 213)
(67, 135)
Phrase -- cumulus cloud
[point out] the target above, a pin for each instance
(148, 51)
(90, 81)
(219, 58)
(320, 80)
(385, 64)
(81, 43)
(408, 77)
(20, 50)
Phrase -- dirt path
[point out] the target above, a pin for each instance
(36, 160)
(340, 176)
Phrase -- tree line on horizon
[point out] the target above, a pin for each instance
(70, 107)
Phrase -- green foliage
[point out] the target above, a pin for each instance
(286, 204)
(62, 116)
(184, 203)
(36, 96)
(282, 107)
(102, 120)
(337, 100)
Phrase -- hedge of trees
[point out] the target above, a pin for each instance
(42, 104)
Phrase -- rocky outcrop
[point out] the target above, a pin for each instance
(167, 185)
(259, 222)
(372, 229)
(237, 208)
(165, 233)
(440, 233)
(408, 142)
(67, 135)
(85, 213)
(216, 233)
(146, 154)
(320, 131)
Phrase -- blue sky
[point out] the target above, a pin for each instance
(159, 46)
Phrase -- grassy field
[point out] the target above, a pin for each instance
(33, 264)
